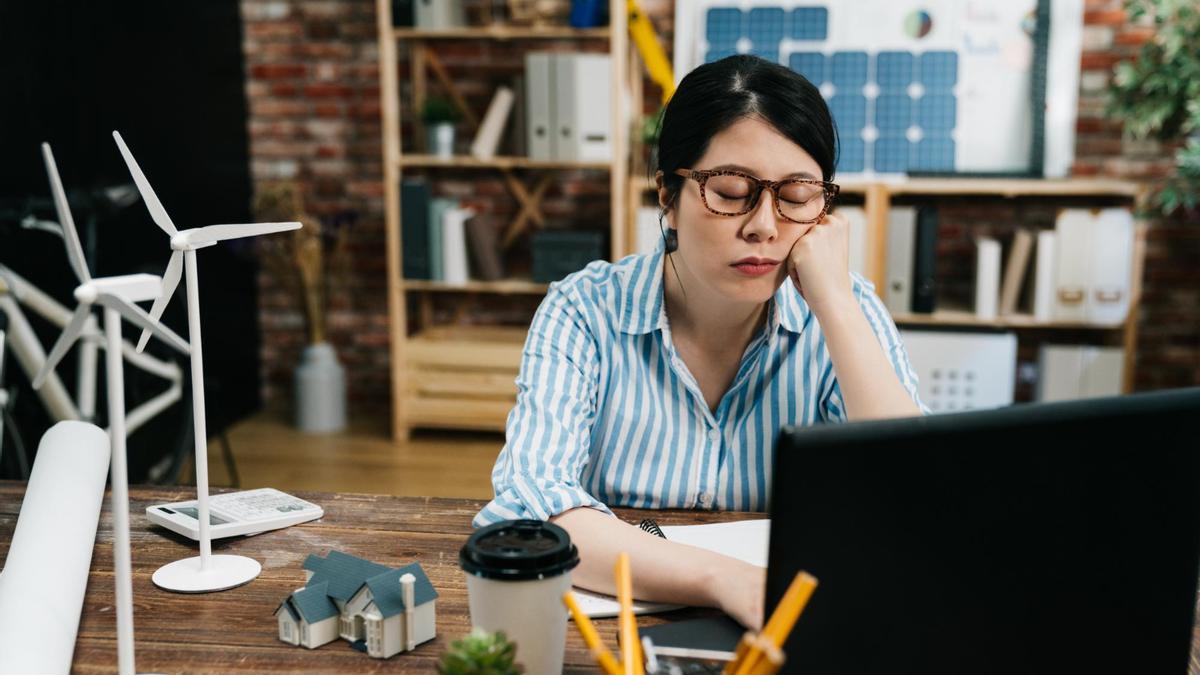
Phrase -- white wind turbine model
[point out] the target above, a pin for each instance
(206, 572)
(116, 295)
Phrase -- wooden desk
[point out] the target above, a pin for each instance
(236, 631)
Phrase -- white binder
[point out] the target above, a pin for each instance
(539, 104)
(987, 277)
(1044, 277)
(593, 85)
(1074, 228)
(1111, 267)
(562, 92)
(902, 232)
(647, 236)
(857, 219)
(454, 245)
(1069, 372)
(440, 14)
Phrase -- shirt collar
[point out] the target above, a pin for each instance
(642, 308)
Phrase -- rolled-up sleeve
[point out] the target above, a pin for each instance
(833, 408)
(548, 434)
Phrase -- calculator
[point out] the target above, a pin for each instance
(231, 514)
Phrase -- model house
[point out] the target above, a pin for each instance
(378, 609)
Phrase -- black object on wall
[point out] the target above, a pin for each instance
(170, 77)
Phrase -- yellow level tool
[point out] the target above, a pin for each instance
(657, 64)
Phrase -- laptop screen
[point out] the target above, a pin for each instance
(1057, 538)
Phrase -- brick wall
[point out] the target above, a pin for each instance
(313, 88)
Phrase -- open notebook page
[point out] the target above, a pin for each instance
(746, 540)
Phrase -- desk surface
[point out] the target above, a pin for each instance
(235, 631)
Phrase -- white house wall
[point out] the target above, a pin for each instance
(287, 622)
(322, 632)
(425, 622)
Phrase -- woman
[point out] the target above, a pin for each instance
(660, 381)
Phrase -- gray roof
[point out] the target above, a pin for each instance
(344, 573)
(313, 602)
(388, 596)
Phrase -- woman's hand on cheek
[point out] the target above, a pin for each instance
(819, 264)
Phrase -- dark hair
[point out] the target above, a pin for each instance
(715, 95)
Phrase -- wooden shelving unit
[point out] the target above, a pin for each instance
(461, 377)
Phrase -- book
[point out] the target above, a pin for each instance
(414, 228)
(454, 245)
(487, 139)
(987, 277)
(516, 144)
(1014, 271)
(924, 282)
(746, 540)
(438, 206)
(484, 244)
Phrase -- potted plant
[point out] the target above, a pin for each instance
(480, 653)
(440, 116)
(309, 263)
(1158, 94)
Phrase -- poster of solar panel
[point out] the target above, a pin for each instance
(941, 86)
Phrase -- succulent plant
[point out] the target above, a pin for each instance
(481, 653)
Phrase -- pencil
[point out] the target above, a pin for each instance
(630, 643)
(741, 656)
(794, 600)
(607, 662)
(771, 660)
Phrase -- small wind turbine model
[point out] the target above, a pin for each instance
(206, 572)
(116, 295)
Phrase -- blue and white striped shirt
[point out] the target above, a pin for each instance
(608, 414)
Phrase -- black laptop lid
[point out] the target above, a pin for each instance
(1057, 538)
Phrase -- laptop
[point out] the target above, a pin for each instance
(1043, 538)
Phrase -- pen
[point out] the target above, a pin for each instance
(607, 662)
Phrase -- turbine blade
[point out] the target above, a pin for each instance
(137, 316)
(157, 212)
(70, 235)
(169, 283)
(69, 335)
(222, 232)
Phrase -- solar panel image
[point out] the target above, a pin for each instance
(895, 110)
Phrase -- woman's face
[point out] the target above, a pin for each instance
(740, 258)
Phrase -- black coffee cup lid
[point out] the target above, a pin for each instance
(516, 550)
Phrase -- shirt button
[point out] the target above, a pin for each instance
(705, 499)
(714, 434)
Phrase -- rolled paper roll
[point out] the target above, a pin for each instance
(46, 573)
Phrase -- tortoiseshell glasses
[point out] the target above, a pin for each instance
(733, 193)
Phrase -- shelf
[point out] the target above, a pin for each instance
(469, 162)
(1003, 187)
(1016, 187)
(502, 287)
(644, 184)
(969, 320)
(504, 33)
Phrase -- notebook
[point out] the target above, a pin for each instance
(746, 540)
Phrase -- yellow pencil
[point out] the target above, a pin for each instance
(746, 655)
(630, 642)
(608, 663)
(770, 661)
(789, 608)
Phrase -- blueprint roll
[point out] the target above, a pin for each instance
(46, 573)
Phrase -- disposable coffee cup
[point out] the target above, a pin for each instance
(517, 572)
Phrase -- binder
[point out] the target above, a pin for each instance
(440, 14)
(1044, 276)
(902, 230)
(987, 277)
(1111, 266)
(1074, 253)
(539, 104)
(924, 284)
(454, 245)
(1070, 372)
(563, 93)
(437, 208)
(647, 235)
(414, 228)
(593, 85)
(857, 219)
(487, 139)
(1014, 271)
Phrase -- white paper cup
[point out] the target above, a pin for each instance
(517, 572)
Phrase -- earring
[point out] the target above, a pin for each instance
(671, 240)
